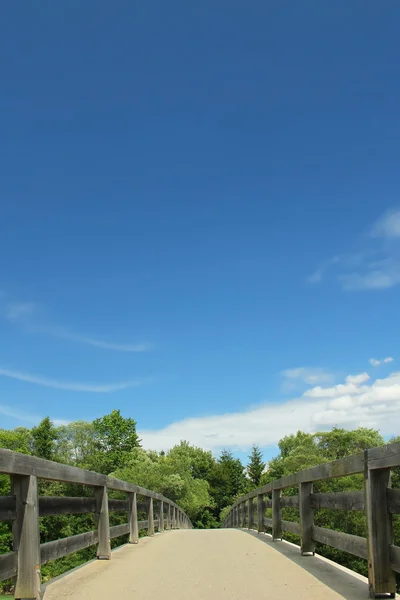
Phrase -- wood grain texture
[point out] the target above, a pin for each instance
(291, 526)
(133, 519)
(339, 501)
(307, 544)
(26, 536)
(393, 500)
(384, 457)
(260, 513)
(394, 553)
(59, 548)
(8, 565)
(7, 508)
(342, 541)
(102, 523)
(267, 522)
(276, 514)
(118, 530)
(382, 579)
(289, 501)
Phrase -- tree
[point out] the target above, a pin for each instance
(44, 438)
(255, 468)
(114, 438)
(227, 480)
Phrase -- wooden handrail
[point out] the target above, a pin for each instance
(378, 501)
(24, 507)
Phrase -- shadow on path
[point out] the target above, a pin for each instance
(344, 582)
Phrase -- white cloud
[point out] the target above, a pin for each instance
(375, 362)
(304, 375)
(352, 404)
(388, 225)
(68, 385)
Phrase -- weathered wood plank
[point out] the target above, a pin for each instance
(143, 524)
(267, 522)
(384, 457)
(63, 505)
(338, 500)
(337, 468)
(8, 565)
(394, 552)
(393, 500)
(161, 517)
(276, 514)
(15, 463)
(26, 536)
(251, 514)
(118, 530)
(102, 523)
(59, 548)
(260, 513)
(289, 501)
(7, 508)
(150, 517)
(133, 519)
(382, 579)
(267, 503)
(341, 541)
(306, 518)
(291, 526)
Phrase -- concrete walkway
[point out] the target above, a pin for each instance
(209, 565)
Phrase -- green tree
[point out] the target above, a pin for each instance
(114, 438)
(256, 466)
(44, 438)
(227, 480)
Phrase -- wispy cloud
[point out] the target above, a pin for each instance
(358, 402)
(69, 385)
(26, 417)
(375, 362)
(376, 266)
(24, 314)
(90, 341)
(388, 225)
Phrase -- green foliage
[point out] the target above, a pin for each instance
(44, 438)
(114, 438)
(256, 466)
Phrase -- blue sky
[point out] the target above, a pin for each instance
(200, 216)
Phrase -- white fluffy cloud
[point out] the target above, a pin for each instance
(295, 378)
(375, 362)
(356, 402)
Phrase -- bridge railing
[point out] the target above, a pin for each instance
(378, 501)
(24, 507)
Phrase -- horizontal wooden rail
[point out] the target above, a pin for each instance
(341, 541)
(24, 508)
(378, 501)
(338, 500)
(289, 501)
(291, 526)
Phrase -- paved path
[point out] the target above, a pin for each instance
(225, 564)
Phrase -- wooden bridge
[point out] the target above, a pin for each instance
(240, 561)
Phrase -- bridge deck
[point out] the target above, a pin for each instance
(209, 565)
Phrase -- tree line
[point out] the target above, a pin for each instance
(205, 486)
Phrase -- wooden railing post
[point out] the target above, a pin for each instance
(150, 517)
(169, 516)
(244, 515)
(161, 517)
(260, 513)
(102, 523)
(276, 515)
(251, 514)
(133, 520)
(26, 537)
(382, 579)
(306, 518)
